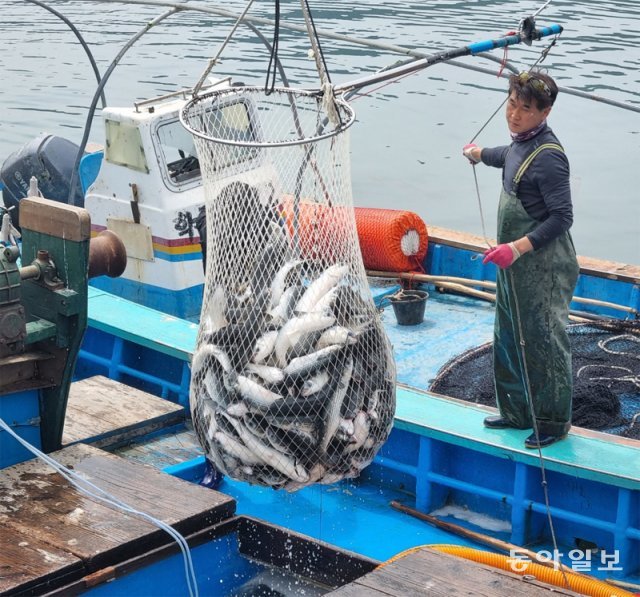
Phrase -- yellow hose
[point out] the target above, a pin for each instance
(579, 583)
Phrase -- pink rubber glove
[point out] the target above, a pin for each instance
(502, 255)
(466, 152)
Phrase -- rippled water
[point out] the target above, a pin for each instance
(407, 141)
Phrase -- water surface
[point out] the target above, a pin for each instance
(406, 143)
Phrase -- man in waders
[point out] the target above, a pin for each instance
(537, 267)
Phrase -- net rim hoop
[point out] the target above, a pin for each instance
(262, 144)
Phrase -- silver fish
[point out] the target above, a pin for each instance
(336, 335)
(325, 302)
(264, 346)
(256, 423)
(297, 328)
(279, 282)
(256, 394)
(372, 404)
(314, 383)
(209, 415)
(271, 456)
(214, 318)
(215, 389)
(203, 353)
(361, 426)
(315, 474)
(236, 449)
(308, 430)
(311, 362)
(283, 311)
(291, 442)
(271, 375)
(347, 427)
(331, 277)
(332, 415)
(237, 410)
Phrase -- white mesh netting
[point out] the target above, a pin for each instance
(293, 379)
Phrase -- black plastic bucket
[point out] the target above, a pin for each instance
(409, 306)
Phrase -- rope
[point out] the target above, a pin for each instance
(527, 384)
(321, 65)
(328, 96)
(270, 81)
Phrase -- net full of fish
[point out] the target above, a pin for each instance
(293, 379)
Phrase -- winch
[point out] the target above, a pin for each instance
(43, 317)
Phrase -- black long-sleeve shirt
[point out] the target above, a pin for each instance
(544, 190)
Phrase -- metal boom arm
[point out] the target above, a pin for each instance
(421, 63)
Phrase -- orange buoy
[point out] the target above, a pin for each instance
(390, 240)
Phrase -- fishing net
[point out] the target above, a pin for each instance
(293, 379)
(606, 376)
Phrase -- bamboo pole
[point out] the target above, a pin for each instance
(487, 296)
(411, 276)
(440, 281)
(629, 586)
(498, 544)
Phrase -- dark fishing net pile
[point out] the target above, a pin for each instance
(606, 376)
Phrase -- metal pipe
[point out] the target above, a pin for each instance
(30, 272)
(446, 281)
(74, 173)
(422, 63)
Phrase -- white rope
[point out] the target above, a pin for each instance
(94, 492)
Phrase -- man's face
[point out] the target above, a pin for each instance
(523, 116)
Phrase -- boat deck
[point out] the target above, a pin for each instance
(437, 451)
(50, 534)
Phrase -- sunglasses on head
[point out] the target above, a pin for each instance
(526, 78)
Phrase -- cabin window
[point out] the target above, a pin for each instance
(179, 152)
(178, 149)
(124, 146)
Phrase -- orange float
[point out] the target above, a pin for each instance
(390, 240)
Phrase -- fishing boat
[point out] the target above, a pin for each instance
(113, 399)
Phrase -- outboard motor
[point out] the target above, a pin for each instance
(50, 159)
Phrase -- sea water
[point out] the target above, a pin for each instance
(406, 143)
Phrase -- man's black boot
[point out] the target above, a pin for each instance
(497, 422)
(542, 441)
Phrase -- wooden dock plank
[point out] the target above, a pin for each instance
(165, 450)
(23, 560)
(429, 572)
(105, 412)
(37, 504)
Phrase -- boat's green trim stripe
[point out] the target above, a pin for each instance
(461, 424)
(419, 412)
(141, 325)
